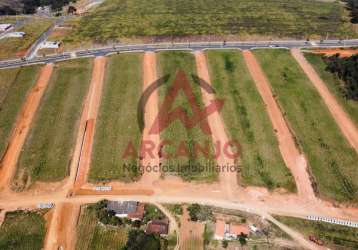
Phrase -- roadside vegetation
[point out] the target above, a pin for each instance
(246, 119)
(14, 7)
(11, 48)
(186, 165)
(333, 236)
(14, 86)
(331, 159)
(185, 18)
(117, 126)
(23, 230)
(46, 155)
(336, 85)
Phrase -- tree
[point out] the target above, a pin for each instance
(242, 239)
(225, 243)
(139, 240)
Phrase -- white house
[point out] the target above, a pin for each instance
(51, 45)
(5, 27)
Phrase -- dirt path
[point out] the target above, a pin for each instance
(22, 127)
(228, 180)
(294, 160)
(61, 230)
(88, 121)
(150, 113)
(332, 52)
(344, 122)
(191, 233)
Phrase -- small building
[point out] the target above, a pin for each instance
(127, 209)
(5, 27)
(51, 45)
(15, 35)
(226, 231)
(160, 227)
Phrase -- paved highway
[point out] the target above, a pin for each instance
(178, 46)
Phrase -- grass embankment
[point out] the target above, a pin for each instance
(333, 236)
(332, 160)
(17, 47)
(22, 230)
(117, 120)
(271, 18)
(92, 235)
(334, 84)
(246, 119)
(46, 155)
(14, 86)
(169, 64)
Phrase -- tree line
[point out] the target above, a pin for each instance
(347, 70)
(30, 6)
(352, 6)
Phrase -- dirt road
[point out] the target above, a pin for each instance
(150, 113)
(344, 122)
(228, 180)
(62, 227)
(89, 115)
(332, 52)
(22, 127)
(294, 160)
(191, 233)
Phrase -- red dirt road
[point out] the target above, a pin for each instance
(332, 52)
(62, 227)
(150, 113)
(228, 180)
(344, 122)
(294, 160)
(191, 233)
(22, 127)
(89, 116)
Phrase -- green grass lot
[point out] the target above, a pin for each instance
(169, 63)
(333, 236)
(246, 119)
(92, 235)
(167, 18)
(334, 84)
(22, 230)
(332, 160)
(14, 86)
(17, 47)
(117, 121)
(46, 155)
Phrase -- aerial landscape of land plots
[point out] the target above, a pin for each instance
(330, 156)
(16, 47)
(47, 152)
(186, 19)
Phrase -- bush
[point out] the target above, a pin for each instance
(347, 70)
(199, 213)
(139, 240)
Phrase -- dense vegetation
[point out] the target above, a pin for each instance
(138, 240)
(347, 70)
(29, 6)
(200, 213)
(22, 230)
(352, 6)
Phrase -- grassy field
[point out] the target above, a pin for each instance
(169, 63)
(117, 122)
(331, 159)
(334, 236)
(17, 47)
(46, 155)
(246, 119)
(22, 230)
(334, 84)
(92, 235)
(14, 86)
(290, 18)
